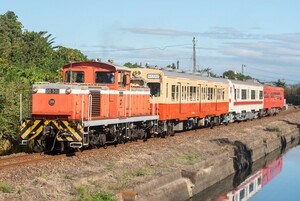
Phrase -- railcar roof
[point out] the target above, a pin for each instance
(247, 82)
(110, 66)
(194, 76)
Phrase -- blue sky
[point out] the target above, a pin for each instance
(264, 35)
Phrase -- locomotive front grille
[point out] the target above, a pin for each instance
(95, 103)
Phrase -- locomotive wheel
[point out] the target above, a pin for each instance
(37, 148)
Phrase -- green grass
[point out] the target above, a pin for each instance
(5, 187)
(273, 129)
(98, 197)
(68, 177)
(189, 158)
(141, 173)
(85, 195)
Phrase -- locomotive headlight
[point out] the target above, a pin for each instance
(68, 90)
(35, 90)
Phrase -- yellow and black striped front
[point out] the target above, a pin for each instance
(65, 130)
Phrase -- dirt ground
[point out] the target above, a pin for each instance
(126, 166)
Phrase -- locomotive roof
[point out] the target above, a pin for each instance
(193, 76)
(108, 65)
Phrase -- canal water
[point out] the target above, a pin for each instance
(285, 185)
(274, 178)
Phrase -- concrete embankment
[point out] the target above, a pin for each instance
(191, 180)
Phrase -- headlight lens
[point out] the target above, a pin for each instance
(35, 90)
(68, 90)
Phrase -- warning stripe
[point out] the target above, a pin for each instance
(26, 131)
(38, 126)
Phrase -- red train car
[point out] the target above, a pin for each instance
(273, 99)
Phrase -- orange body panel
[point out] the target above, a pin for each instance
(273, 97)
(186, 110)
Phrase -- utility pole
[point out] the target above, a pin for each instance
(194, 54)
(243, 65)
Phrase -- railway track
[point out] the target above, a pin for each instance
(26, 160)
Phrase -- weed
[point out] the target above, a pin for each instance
(98, 197)
(141, 173)
(20, 189)
(190, 158)
(109, 166)
(273, 129)
(5, 187)
(68, 177)
(126, 175)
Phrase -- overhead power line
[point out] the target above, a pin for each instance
(136, 49)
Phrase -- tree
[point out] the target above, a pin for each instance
(208, 71)
(233, 75)
(280, 83)
(173, 66)
(130, 65)
(10, 37)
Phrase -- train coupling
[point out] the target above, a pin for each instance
(76, 145)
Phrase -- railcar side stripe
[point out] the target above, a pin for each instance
(248, 103)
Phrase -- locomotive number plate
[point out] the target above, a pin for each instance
(52, 91)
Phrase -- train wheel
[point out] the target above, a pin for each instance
(170, 130)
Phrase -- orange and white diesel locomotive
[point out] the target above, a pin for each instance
(101, 103)
(94, 105)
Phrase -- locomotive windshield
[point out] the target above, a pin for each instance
(75, 76)
(104, 77)
(154, 89)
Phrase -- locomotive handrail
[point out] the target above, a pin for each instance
(90, 107)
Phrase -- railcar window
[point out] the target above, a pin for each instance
(104, 77)
(260, 95)
(259, 181)
(237, 94)
(253, 95)
(154, 88)
(74, 76)
(223, 94)
(210, 92)
(204, 93)
(183, 93)
(242, 194)
(251, 187)
(175, 92)
(193, 93)
(220, 94)
(244, 94)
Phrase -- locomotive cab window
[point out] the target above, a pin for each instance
(154, 89)
(122, 79)
(104, 77)
(74, 76)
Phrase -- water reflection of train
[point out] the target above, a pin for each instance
(254, 183)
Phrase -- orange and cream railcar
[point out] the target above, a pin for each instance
(185, 100)
(94, 105)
